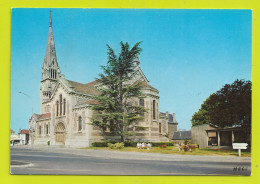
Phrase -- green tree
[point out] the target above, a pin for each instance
(201, 117)
(228, 107)
(114, 110)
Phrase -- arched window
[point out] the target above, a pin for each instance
(80, 124)
(160, 128)
(64, 106)
(40, 130)
(141, 103)
(60, 104)
(47, 129)
(154, 117)
(57, 108)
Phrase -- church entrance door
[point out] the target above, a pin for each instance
(60, 133)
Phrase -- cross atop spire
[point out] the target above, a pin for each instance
(50, 20)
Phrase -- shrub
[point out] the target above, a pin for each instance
(99, 144)
(154, 144)
(163, 146)
(118, 145)
(130, 144)
(158, 144)
(48, 143)
(186, 141)
(186, 148)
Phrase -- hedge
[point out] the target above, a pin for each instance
(154, 144)
(118, 145)
(130, 144)
(102, 144)
(158, 144)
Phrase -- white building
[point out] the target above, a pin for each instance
(21, 138)
(24, 136)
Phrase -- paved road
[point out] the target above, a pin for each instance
(46, 160)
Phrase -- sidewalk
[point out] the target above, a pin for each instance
(135, 155)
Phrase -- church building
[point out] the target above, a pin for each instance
(65, 109)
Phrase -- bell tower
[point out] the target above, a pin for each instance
(50, 68)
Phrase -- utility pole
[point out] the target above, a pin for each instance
(31, 128)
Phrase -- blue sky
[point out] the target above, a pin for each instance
(187, 54)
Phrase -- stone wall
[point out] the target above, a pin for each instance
(199, 135)
(172, 127)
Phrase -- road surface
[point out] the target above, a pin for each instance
(65, 161)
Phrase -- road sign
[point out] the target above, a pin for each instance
(239, 146)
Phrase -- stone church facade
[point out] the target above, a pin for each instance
(65, 113)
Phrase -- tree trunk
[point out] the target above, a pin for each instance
(122, 138)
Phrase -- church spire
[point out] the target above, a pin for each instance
(50, 67)
(50, 20)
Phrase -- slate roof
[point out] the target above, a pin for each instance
(43, 116)
(144, 84)
(181, 135)
(88, 88)
(170, 118)
(24, 131)
(90, 102)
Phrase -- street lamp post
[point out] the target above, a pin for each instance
(32, 113)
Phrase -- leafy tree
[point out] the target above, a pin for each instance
(201, 117)
(228, 107)
(115, 111)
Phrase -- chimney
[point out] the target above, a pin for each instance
(173, 117)
(167, 114)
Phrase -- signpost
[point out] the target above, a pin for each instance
(239, 146)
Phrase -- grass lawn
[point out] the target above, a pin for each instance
(174, 150)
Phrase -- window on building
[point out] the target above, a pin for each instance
(157, 105)
(154, 110)
(57, 108)
(47, 129)
(141, 103)
(60, 104)
(80, 124)
(160, 128)
(40, 130)
(64, 106)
